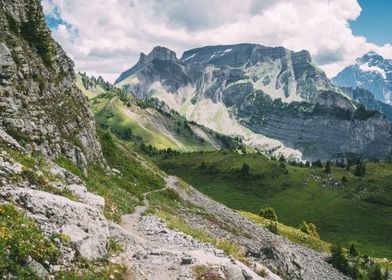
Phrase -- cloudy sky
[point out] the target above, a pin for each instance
(105, 37)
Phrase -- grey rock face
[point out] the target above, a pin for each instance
(87, 197)
(7, 64)
(371, 72)
(317, 130)
(39, 100)
(366, 98)
(275, 92)
(85, 225)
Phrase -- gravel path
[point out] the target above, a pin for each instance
(153, 251)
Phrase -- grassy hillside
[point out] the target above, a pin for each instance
(89, 87)
(350, 210)
(144, 122)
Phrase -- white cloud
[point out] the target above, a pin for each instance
(105, 36)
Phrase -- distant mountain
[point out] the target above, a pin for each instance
(366, 98)
(371, 72)
(273, 98)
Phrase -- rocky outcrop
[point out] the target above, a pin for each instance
(273, 92)
(39, 102)
(85, 225)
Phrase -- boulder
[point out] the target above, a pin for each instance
(86, 226)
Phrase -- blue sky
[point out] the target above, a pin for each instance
(375, 21)
(106, 37)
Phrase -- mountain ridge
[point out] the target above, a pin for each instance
(371, 72)
(228, 80)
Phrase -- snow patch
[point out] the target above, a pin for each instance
(366, 68)
(189, 57)
(214, 54)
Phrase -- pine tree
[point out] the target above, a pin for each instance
(353, 250)
(245, 170)
(360, 169)
(339, 260)
(327, 167)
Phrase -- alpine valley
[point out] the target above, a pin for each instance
(232, 162)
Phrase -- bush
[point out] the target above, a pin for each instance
(338, 259)
(309, 228)
(353, 250)
(268, 213)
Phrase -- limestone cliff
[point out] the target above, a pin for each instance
(256, 91)
(39, 102)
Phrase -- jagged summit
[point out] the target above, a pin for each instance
(372, 72)
(158, 52)
(273, 97)
(162, 53)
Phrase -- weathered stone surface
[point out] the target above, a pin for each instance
(87, 197)
(39, 100)
(7, 64)
(86, 226)
(38, 269)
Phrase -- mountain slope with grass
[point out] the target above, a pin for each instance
(152, 123)
(346, 206)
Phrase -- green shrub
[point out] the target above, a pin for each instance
(339, 260)
(268, 213)
(245, 170)
(309, 228)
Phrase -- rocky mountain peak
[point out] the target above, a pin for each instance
(371, 57)
(302, 57)
(371, 72)
(162, 53)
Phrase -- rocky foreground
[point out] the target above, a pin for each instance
(150, 250)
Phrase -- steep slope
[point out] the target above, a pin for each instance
(338, 207)
(371, 72)
(261, 94)
(39, 101)
(150, 122)
(91, 87)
